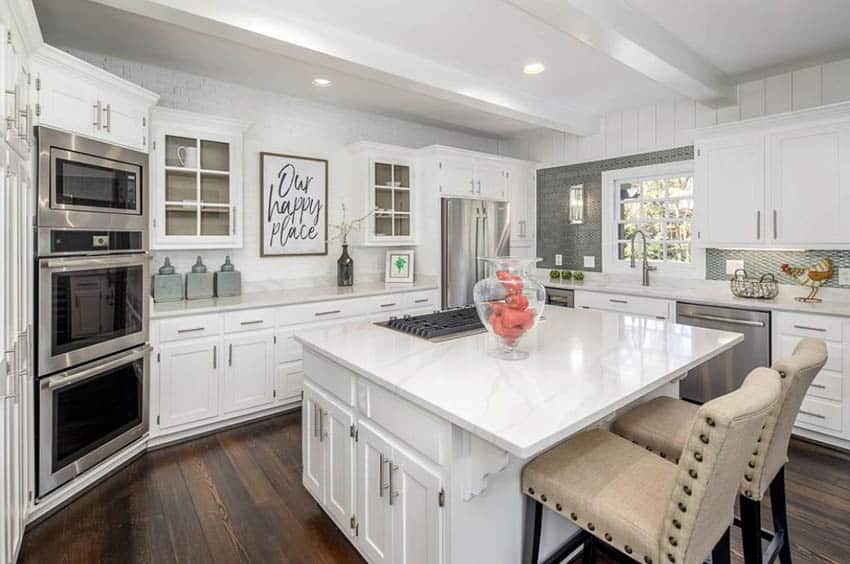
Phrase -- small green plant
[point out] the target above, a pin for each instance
(555, 274)
(578, 276)
(566, 275)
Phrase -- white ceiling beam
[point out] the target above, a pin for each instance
(625, 34)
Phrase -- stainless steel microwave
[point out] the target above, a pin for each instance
(86, 184)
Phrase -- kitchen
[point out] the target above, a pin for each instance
(178, 368)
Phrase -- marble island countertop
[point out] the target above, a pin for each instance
(584, 365)
(835, 301)
(280, 296)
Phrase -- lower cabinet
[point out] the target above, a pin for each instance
(248, 372)
(188, 382)
(635, 305)
(398, 501)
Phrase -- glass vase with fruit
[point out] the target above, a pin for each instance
(509, 302)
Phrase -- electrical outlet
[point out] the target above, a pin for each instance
(559, 260)
(733, 265)
(590, 262)
(844, 276)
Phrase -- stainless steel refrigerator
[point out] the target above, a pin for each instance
(471, 229)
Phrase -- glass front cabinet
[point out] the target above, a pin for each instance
(387, 173)
(196, 181)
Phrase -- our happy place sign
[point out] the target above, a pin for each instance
(293, 205)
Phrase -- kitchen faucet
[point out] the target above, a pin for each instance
(646, 268)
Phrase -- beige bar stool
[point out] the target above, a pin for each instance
(662, 426)
(650, 509)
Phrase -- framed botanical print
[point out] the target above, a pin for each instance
(399, 266)
(293, 205)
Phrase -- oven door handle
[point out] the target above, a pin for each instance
(113, 260)
(72, 376)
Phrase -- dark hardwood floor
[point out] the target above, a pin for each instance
(236, 496)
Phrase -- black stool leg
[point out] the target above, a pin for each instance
(721, 552)
(531, 535)
(751, 530)
(780, 515)
(589, 551)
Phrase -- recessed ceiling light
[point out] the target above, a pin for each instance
(321, 82)
(533, 68)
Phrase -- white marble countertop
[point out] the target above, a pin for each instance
(835, 301)
(585, 365)
(287, 296)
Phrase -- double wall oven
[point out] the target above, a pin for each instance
(93, 279)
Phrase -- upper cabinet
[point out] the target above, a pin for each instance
(195, 181)
(389, 175)
(17, 80)
(522, 195)
(75, 96)
(782, 181)
(467, 174)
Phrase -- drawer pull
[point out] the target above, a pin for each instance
(331, 312)
(255, 322)
(821, 386)
(421, 301)
(613, 301)
(807, 328)
(387, 305)
(193, 330)
(585, 307)
(809, 413)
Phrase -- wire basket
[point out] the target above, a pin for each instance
(765, 288)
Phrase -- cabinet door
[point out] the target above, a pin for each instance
(290, 377)
(312, 444)
(456, 176)
(374, 515)
(417, 516)
(6, 507)
(15, 476)
(188, 382)
(248, 372)
(68, 103)
(336, 423)
(124, 122)
(809, 179)
(521, 188)
(490, 181)
(729, 182)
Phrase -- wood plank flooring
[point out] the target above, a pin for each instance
(236, 496)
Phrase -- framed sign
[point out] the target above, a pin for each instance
(399, 266)
(293, 205)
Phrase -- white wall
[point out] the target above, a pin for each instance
(663, 126)
(284, 124)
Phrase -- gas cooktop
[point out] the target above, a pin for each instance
(440, 325)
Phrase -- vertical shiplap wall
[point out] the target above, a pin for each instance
(664, 126)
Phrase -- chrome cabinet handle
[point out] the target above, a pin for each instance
(775, 236)
(321, 425)
(381, 477)
(809, 413)
(315, 420)
(255, 322)
(421, 301)
(12, 121)
(808, 328)
(214, 355)
(479, 186)
(230, 355)
(26, 115)
(615, 301)
(98, 108)
(388, 305)
(192, 330)
(472, 186)
(758, 225)
(108, 111)
(819, 386)
(393, 493)
(331, 312)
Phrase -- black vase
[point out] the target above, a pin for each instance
(345, 268)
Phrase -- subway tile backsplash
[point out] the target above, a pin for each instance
(758, 262)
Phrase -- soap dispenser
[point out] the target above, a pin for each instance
(228, 280)
(167, 285)
(199, 282)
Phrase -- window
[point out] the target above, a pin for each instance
(662, 207)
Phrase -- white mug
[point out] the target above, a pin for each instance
(187, 156)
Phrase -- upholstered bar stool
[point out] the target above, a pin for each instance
(662, 426)
(650, 509)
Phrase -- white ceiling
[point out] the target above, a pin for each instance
(458, 63)
(753, 37)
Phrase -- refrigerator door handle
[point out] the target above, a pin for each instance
(477, 232)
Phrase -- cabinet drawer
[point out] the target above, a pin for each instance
(636, 305)
(330, 376)
(322, 311)
(389, 302)
(248, 320)
(834, 351)
(803, 325)
(828, 384)
(415, 426)
(820, 414)
(429, 298)
(189, 327)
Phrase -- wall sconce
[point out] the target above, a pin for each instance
(577, 203)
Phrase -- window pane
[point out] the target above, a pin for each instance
(630, 211)
(680, 209)
(679, 253)
(654, 250)
(626, 230)
(629, 191)
(679, 231)
(653, 189)
(652, 230)
(653, 210)
(680, 186)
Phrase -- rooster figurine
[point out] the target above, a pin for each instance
(813, 277)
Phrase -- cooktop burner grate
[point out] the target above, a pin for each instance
(440, 325)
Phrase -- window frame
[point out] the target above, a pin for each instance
(611, 179)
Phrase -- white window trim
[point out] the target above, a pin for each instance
(610, 259)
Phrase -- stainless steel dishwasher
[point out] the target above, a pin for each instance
(725, 372)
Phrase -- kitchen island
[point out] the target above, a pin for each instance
(415, 448)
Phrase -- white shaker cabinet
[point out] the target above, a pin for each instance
(490, 180)
(312, 443)
(188, 389)
(809, 178)
(248, 370)
(522, 195)
(730, 190)
(374, 535)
